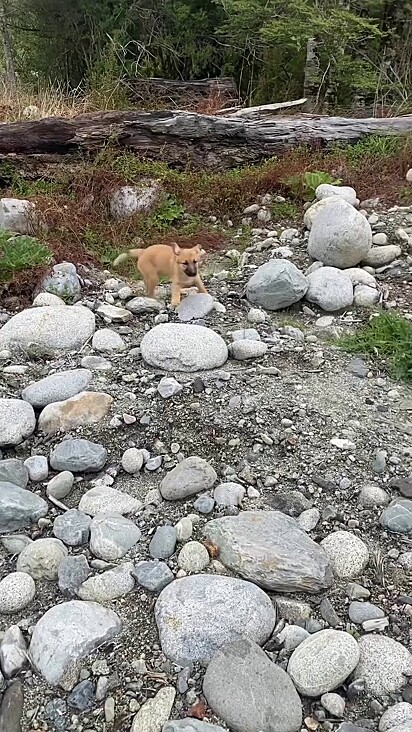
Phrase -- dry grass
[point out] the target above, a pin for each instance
(37, 103)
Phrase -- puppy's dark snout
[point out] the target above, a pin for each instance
(191, 269)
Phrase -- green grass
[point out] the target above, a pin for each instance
(20, 253)
(285, 210)
(387, 336)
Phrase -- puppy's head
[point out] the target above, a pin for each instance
(189, 259)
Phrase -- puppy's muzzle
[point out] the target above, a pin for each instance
(190, 270)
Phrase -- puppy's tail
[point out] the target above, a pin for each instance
(131, 254)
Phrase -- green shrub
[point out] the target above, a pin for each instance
(19, 253)
(304, 185)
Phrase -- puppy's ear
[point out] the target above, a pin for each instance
(176, 248)
(202, 253)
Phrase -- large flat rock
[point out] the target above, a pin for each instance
(270, 548)
(49, 329)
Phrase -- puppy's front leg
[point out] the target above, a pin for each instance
(176, 294)
(199, 284)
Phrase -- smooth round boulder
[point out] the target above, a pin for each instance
(340, 236)
(276, 285)
(323, 662)
(312, 212)
(41, 559)
(326, 190)
(183, 347)
(17, 590)
(196, 615)
(57, 387)
(330, 289)
(49, 329)
(17, 421)
(191, 476)
(78, 456)
(66, 634)
(384, 664)
(349, 554)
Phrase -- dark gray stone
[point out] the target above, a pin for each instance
(11, 708)
(290, 502)
(276, 284)
(83, 696)
(358, 367)
(153, 576)
(403, 485)
(72, 572)
(78, 456)
(328, 612)
(72, 527)
(55, 712)
(19, 507)
(163, 542)
(397, 517)
(249, 692)
(361, 611)
(14, 471)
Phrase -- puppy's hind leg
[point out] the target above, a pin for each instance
(150, 279)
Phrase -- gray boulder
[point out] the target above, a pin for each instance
(153, 575)
(325, 190)
(384, 664)
(312, 212)
(189, 477)
(330, 288)
(397, 517)
(78, 456)
(63, 281)
(16, 214)
(105, 499)
(128, 200)
(276, 284)
(380, 256)
(323, 662)
(17, 421)
(66, 634)
(19, 507)
(270, 549)
(108, 585)
(72, 527)
(57, 387)
(250, 692)
(112, 536)
(14, 471)
(196, 615)
(194, 307)
(179, 347)
(190, 725)
(106, 340)
(340, 236)
(49, 330)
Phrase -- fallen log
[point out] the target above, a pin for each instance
(172, 93)
(182, 138)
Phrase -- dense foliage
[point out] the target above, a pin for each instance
(336, 52)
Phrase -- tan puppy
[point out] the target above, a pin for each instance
(179, 265)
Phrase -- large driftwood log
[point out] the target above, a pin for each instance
(182, 138)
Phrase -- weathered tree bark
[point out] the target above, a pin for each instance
(11, 78)
(182, 138)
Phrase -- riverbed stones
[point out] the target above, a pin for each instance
(78, 456)
(49, 329)
(57, 387)
(155, 712)
(397, 517)
(384, 664)
(196, 615)
(330, 288)
(105, 499)
(250, 692)
(14, 471)
(323, 662)
(340, 236)
(85, 408)
(72, 527)
(112, 536)
(41, 559)
(183, 347)
(17, 590)
(194, 307)
(191, 476)
(108, 585)
(325, 190)
(276, 285)
(348, 554)
(270, 549)
(400, 713)
(66, 634)
(19, 507)
(17, 421)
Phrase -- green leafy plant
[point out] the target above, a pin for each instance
(304, 185)
(168, 212)
(19, 253)
(387, 336)
(284, 210)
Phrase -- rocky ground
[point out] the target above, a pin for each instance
(176, 498)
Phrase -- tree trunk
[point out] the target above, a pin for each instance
(311, 81)
(11, 78)
(186, 138)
